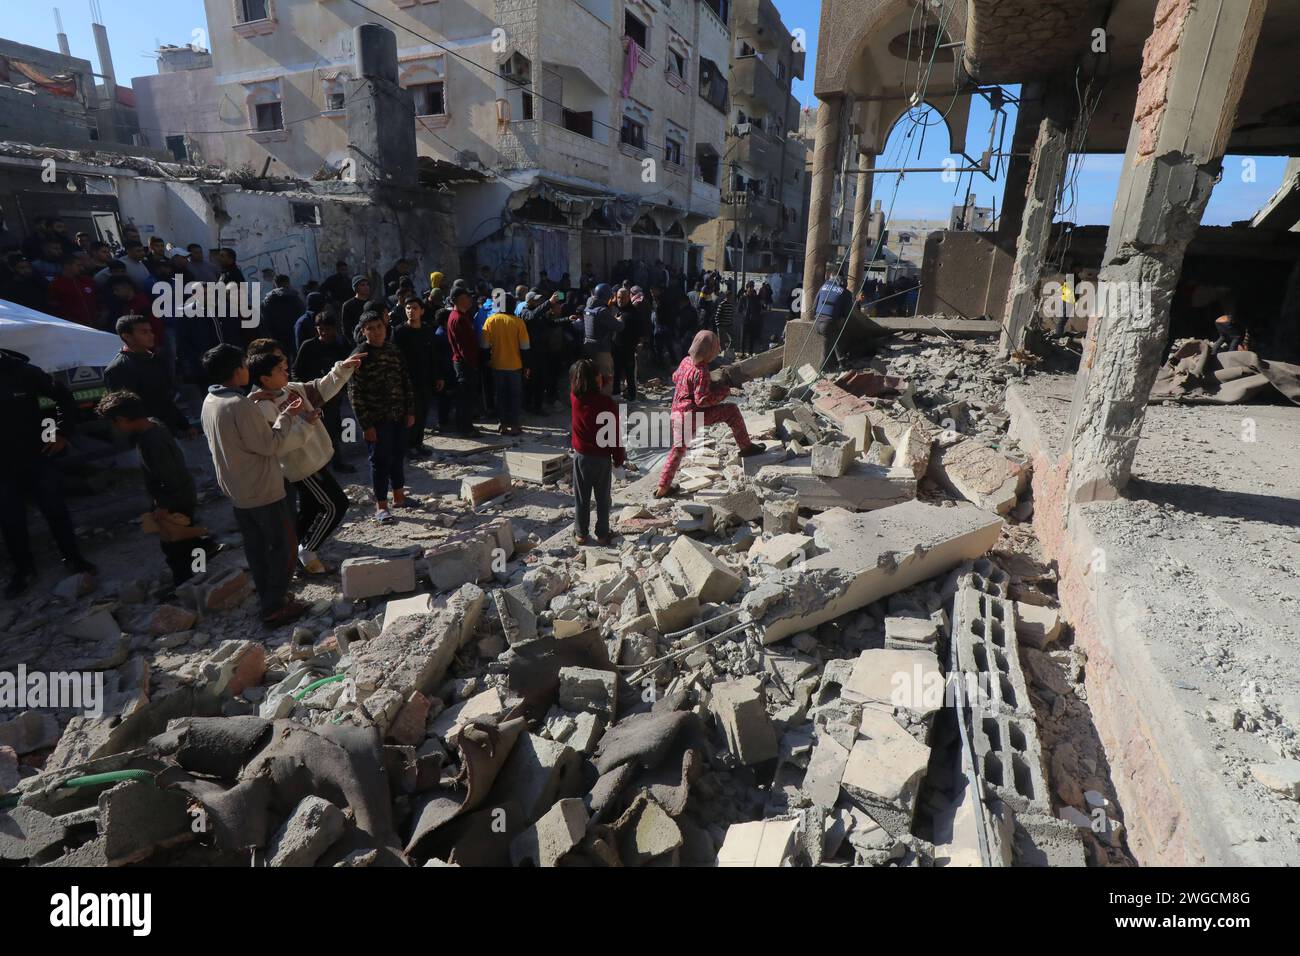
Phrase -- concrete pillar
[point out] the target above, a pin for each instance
(380, 114)
(860, 244)
(1047, 171)
(826, 157)
(1029, 115)
(1193, 69)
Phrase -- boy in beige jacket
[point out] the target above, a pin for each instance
(321, 502)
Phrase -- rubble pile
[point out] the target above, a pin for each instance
(759, 674)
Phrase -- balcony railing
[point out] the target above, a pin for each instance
(753, 79)
(751, 210)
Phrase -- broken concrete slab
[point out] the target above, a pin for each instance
(867, 557)
(29, 731)
(863, 487)
(559, 830)
(416, 604)
(911, 633)
(310, 830)
(741, 709)
(585, 688)
(515, 613)
(1282, 777)
(821, 781)
(884, 771)
(780, 516)
(758, 843)
(1037, 626)
(371, 577)
(670, 610)
(97, 624)
(701, 572)
(984, 477)
(907, 679)
(783, 550)
(487, 704)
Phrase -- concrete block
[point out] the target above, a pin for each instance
(884, 771)
(701, 572)
(868, 557)
(371, 577)
(783, 550)
(515, 612)
(913, 449)
(908, 679)
(911, 633)
(228, 591)
(654, 835)
(821, 782)
(585, 688)
(136, 818)
(453, 563)
(1009, 759)
(984, 628)
(1037, 626)
(409, 726)
(477, 489)
(671, 611)
(857, 429)
(758, 843)
(587, 731)
(559, 830)
(448, 724)
(780, 516)
(832, 459)
(984, 477)
(311, 830)
(741, 709)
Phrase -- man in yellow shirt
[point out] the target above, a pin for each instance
(505, 336)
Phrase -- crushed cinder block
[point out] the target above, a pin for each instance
(371, 577)
(456, 561)
(758, 843)
(415, 652)
(559, 830)
(670, 610)
(867, 557)
(27, 833)
(741, 709)
(884, 771)
(543, 583)
(701, 572)
(477, 489)
(653, 836)
(515, 612)
(910, 679)
(984, 627)
(311, 830)
(585, 688)
(742, 505)
(832, 459)
(136, 818)
(587, 731)
(780, 516)
(984, 477)
(913, 448)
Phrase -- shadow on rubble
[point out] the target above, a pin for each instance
(1215, 503)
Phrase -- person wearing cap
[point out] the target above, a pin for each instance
(354, 306)
(304, 329)
(599, 326)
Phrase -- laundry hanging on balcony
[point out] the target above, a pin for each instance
(629, 65)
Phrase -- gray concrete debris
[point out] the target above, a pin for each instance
(308, 833)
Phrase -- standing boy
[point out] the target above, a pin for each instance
(381, 396)
(245, 453)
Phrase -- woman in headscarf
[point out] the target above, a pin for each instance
(698, 402)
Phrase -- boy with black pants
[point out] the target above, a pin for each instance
(596, 449)
(168, 480)
(381, 396)
(321, 502)
(245, 453)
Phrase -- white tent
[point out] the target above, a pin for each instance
(54, 344)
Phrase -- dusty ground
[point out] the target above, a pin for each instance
(1208, 546)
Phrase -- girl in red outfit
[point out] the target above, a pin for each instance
(697, 402)
(597, 449)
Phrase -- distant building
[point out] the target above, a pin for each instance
(178, 108)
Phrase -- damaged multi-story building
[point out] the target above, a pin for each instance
(573, 133)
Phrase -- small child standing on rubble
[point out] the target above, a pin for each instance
(597, 449)
(382, 397)
(697, 402)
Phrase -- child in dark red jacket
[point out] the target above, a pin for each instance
(597, 449)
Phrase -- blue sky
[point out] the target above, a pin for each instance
(134, 36)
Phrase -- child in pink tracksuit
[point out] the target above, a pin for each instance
(697, 402)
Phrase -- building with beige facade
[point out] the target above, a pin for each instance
(762, 226)
(573, 133)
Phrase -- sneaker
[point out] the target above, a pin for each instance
(289, 612)
(755, 448)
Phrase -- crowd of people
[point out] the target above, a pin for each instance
(407, 355)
